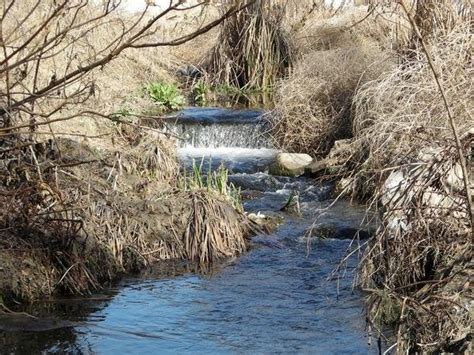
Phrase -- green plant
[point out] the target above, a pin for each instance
(216, 181)
(166, 96)
(121, 114)
(201, 91)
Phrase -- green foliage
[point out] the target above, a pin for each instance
(214, 182)
(201, 92)
(167, 96)
(388, 309)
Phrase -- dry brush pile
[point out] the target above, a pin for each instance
(368, 78)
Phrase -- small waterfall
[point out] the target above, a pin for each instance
(216, 135)
(238, 139)
(219, 128)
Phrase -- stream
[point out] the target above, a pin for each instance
(277, 298)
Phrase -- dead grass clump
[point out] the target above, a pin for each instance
(252, 49)
(401, 112)
(215, 230)
(417, 268)
(313, 105)
(82, 216)
(336, 54)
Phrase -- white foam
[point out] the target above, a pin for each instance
(235, 153)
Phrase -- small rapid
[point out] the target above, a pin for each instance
(277, 298)
(220, 128)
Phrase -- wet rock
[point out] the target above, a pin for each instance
(258, 218)
(334, 163)
(290, 164)
(316, 168)
(267, 222)
(293, 204)
(256, 182)
(338, 231)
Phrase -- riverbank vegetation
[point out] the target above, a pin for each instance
(91, 187)
(89, 181)
(395, 85)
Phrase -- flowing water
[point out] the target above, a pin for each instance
(276, 298)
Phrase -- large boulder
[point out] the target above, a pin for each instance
(290, 164)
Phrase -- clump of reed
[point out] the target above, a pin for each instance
(217, 227)
(252, 49)
(214, 182)
(215, 230)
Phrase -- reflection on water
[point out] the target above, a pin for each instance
(276, 298)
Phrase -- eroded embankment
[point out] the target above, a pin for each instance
(74, 217)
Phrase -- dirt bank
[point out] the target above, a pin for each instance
(79, 216)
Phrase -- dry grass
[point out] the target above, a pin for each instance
(401, 113)
(215, 230)
(82, 224)
(313, 105)
(80, 211)
(417, 267)
(252, 49)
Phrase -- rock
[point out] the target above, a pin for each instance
(266, 222)
(255, 182)
(428, 155)
(393, 189)
(190, 71)
(346, 186)
(290, 164)
(335, 231)
(293, 203)
(316, 167)
(454, 178)
(341, 150)
(258, 218)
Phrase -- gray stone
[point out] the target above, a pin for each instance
(454, 179)
(290, 164)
